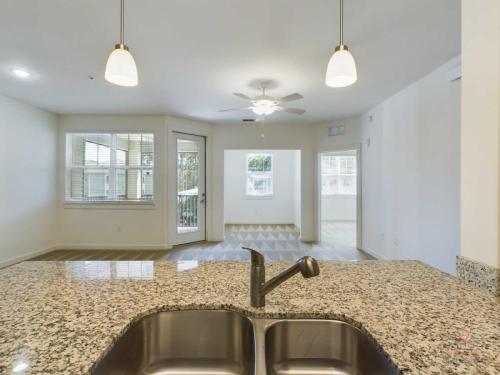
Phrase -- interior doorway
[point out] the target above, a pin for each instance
(189, 194)
(340, 199)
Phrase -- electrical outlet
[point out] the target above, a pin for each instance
(118, 228)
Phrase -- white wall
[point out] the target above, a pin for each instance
(411, 172)
(338, 207)
(28, 187)
(127, 226)
(276, 209)
(277, 137)
(480, 143)
(133, 226)
(351, 137)
(307, 138)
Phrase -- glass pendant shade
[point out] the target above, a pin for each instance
(120, 68)
(341, 71)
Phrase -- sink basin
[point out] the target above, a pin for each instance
(201, 342)
(321, 347)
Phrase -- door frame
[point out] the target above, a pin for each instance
(184, 238)
(359, 190)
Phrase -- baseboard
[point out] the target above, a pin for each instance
(373, 253)
(22, 258)
(111, 247)
(216, 239)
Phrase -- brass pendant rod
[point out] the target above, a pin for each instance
(122, 22)
(341, 22)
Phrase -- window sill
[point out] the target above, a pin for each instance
(270, 196)
(121, 205)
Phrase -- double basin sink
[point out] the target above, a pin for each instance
(219, 342)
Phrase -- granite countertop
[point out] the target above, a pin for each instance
(60, 317)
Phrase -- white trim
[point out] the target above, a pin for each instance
(216, 239)
(264, 196)
(106, 205)
(27, 256)
(174, 237)
(373, 253)
(359, 197)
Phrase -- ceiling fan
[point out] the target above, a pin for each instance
(264, 105)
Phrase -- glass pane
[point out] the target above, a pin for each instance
(76, 184)
(147, 184)
(93, 176)
(147, 150)
(188, 172)
(338, 173)
(121, 157)
(259, 184)
(121, 184)
(97, 149)
(96, 184)
(259, 162)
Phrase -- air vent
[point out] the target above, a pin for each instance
(334, 131)
(248, 120)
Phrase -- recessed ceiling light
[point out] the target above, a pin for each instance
(21, 73)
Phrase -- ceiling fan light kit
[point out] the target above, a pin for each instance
(341, 70)
(121, 69)
(265, 105)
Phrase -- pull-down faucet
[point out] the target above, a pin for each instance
(307, 266)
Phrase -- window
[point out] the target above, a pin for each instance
(109, 167)
(259, 175)
(338, 174)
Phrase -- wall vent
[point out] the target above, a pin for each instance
(248, 120)
(334, 131)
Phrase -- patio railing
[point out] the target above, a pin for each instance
(187, 212)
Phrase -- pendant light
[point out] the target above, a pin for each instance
(341, 70)
(120, 68)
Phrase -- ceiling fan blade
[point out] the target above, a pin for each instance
(233, 109)
(242, 96)
(295, 111)
(290, 98)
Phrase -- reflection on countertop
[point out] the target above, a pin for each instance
(102, 270)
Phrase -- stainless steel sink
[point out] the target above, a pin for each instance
(184, 342)
(321, 347)
(216, 342)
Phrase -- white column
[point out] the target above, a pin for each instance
(480, 132)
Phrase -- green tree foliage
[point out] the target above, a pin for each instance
(259, 162)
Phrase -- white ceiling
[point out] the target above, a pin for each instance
(193, 54)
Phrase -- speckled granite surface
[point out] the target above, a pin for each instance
(479, 274)
(60, 317)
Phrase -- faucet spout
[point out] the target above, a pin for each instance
(307, 266)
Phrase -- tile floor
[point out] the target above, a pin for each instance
(276, 242)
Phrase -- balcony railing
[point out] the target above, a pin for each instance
(187, 213)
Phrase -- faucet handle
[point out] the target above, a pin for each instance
(257, 258)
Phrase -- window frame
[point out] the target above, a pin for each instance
(335, 172)
(119, 204)
(271, 173)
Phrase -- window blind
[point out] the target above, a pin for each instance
(109, 167)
